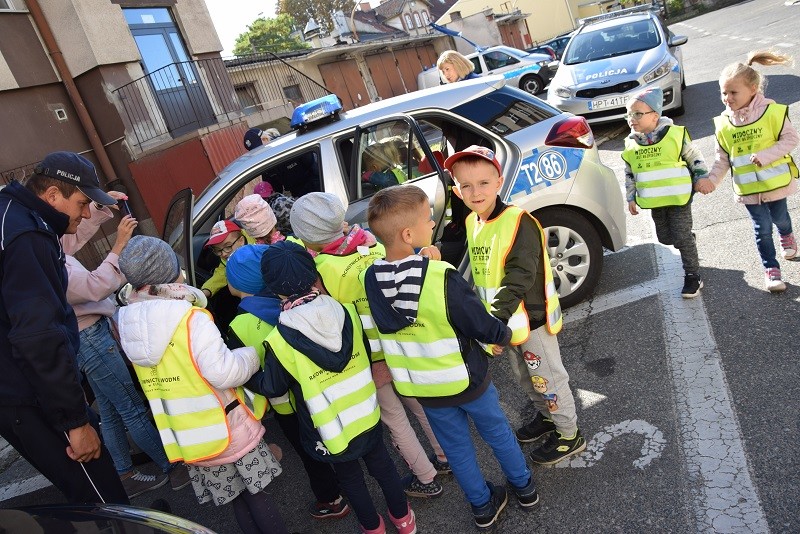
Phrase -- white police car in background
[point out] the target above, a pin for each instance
(550, 163)
(613, 56)
(529, 72)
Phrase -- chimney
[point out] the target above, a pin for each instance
(365, 7)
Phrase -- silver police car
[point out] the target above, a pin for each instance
(613, 56)
(550, 163)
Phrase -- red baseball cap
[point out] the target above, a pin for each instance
(220, 231)
(477, 151)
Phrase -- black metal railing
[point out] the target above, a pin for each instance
(185, 96)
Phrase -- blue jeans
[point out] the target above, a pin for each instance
(764, 216)
(451, 427)
(118, 401)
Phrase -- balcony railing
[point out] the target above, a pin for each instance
(186, 96)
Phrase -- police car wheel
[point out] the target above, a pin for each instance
(531, 84)
(576, 253)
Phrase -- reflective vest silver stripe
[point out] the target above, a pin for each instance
(283, 399)
(746, 172)
(184, 406)
(368, 324)
(417, 376)
(416, 349)
(646, 189)
(348, 416)
(194, 436)
(366, 321)
(323, 401)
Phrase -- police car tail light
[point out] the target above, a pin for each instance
(573, 132)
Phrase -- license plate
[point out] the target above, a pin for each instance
(604, 103)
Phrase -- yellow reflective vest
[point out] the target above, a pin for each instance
(425, 357)
(662, 178)
(341, 276)
(251, 331)
(189, 416)
(489, 244)
(741, 142)
(342, 405)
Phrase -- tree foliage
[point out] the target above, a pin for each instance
(273, 35)
(319, 10)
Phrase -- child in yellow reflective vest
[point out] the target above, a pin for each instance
(258, 314)
(318, 351)
(189, 376)
(509, 263)
(754, 141)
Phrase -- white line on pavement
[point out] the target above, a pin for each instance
(723, 494)
(15, 489)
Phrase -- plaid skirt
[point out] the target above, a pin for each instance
(221, 484)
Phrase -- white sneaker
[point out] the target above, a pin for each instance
(772, 280)
(788, 247)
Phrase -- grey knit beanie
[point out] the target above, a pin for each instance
(147, 261)
(317, 218)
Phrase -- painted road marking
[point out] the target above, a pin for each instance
(15, 489)
(652, 447)
(723, 494)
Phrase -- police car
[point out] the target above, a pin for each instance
(550, 163)
(613, 56)
(530, 72)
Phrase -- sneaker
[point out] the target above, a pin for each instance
(691, 286)
(557, 448)
(330, 510)
(486, 515)
(788, 247)
(415, 488)
(138, 483)
(772, 280)
(527, 496)
(179, 477)
(536, 429)
(442, 467)
(380, 530)
(406, 524)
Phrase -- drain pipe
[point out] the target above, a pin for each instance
(72, 90)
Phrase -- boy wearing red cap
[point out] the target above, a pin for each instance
(512, 275)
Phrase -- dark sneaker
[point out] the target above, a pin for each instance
(415, 488)
(527, 496)
(536, 429)
(179, 477)
(138, 483)
(442, 468)
(556, 448)
(330, 510)
(486, 515)
(691, 286)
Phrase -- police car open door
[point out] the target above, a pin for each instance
(176, 223)
(394, 151)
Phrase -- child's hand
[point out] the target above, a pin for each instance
(497, 350)
(116, 195)
(632, 208)
(754, 159)
(124, 233)
(704, 186)
(431, 252)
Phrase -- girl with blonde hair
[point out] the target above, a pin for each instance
(453, 67)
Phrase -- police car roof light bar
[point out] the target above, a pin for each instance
(619, 13)
(316, 111)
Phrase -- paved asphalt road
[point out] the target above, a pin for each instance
(690, 407)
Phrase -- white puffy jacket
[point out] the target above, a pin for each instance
(147, 327)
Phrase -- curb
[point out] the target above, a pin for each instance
(613, 133)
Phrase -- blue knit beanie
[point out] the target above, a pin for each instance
(288, 269)
(653, 97)
(243, 269)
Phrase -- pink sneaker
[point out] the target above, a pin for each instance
(788, 247)
(381, 527)
(772, 280)
(407, 524)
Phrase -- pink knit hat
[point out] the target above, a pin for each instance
(255, 216)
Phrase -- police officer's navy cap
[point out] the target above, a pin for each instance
(74, 169)
(252, 138)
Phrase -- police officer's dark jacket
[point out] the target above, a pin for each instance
(38, 330)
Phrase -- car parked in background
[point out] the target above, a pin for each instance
(559, 44)
(550, 162)
(543, 49)
(613, 56)
(529, 72)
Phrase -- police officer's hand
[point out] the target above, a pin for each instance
(84, 444)
(632, 208)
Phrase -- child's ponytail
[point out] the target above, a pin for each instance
(748, 74)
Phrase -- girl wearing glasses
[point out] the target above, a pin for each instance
(662, 165)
